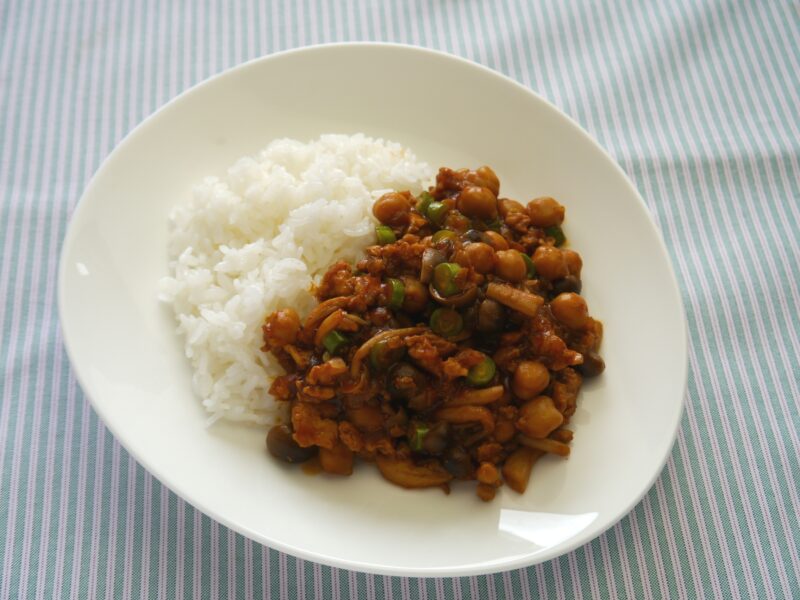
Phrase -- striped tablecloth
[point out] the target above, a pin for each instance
(698, 101)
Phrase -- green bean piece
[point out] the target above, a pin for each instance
(436, 212)
(417, 437)
(482, 373)
(385, 235)
(424, 202)
(444, 278)
(446, 322)
(334, 342)
(397, 293)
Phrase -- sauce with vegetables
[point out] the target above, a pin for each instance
(454, 350)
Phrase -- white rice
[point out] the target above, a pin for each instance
(254, 240)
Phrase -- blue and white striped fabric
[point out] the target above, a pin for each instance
(699, 101)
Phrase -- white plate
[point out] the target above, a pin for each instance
(450, 112)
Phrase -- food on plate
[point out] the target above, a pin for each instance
(255, 239)
(453, 348)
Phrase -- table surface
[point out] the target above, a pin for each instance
(698, 102)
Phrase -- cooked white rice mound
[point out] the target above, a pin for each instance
(254, 240)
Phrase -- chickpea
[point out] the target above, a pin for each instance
(392, 208)
(530, 379)
(495, 240)
(511, 266)
(545, 212)
(481, 257)
(539, 417)
(282, 328)
(571, 310)
(416, 295)
(461, 258)
(486, 177)
(550, 263)
(574, 262)
(506, 205)
(476, 201)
